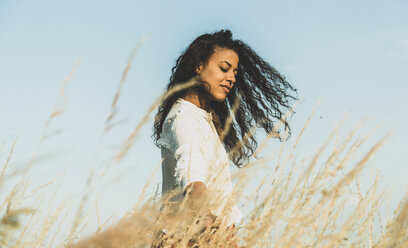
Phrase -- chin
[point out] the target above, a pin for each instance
(219, 98)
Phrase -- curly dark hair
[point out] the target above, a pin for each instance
(264, 94)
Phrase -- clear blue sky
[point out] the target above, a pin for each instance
(352, 55)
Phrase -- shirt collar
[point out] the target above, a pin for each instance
(194, 108)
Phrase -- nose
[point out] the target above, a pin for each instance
(231, 78)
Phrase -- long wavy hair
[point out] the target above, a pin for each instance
(263, 94)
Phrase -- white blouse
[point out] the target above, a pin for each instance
(192, 151)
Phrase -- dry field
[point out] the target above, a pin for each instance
(311, 202)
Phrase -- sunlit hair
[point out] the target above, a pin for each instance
(265, 93)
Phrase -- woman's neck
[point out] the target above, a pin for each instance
(194, 98)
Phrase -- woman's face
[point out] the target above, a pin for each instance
(220, 72)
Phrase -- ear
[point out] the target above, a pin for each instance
(199, 68)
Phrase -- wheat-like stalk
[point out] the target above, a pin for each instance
(312, 202)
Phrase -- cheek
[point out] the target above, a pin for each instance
(216, 75)
(211, 76)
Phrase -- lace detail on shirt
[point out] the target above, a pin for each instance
(191, 106)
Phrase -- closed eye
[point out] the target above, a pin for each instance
(223, 69)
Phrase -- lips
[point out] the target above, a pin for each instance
(226, 88)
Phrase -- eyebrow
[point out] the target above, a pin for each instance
(236, 69)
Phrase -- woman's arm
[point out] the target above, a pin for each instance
(196, 198)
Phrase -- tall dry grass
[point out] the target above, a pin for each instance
(312, 202)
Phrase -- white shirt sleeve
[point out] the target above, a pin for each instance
(190, 153)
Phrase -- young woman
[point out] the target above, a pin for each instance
(192, 128)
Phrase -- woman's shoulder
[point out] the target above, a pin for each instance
(179, 115)
(184, 111)
(181, 123)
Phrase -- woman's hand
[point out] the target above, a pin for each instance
(197, 204)
(195, 196)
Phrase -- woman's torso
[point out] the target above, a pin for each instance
(192, 151)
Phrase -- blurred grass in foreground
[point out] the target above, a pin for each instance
(314, 202)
